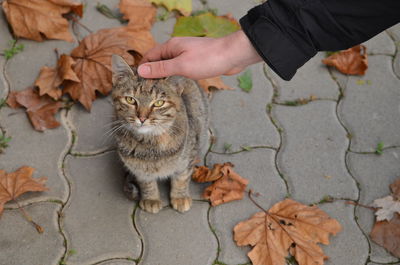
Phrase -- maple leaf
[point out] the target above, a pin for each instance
(32, 19)
(289, 227)
(50, 79)
(40, 110)
(205, 25)
(93, 60)
(16, 183)
(213, 83)
(140, 13)
(387, 234)
(352, 61)
(183, 6)
(204, 174)
(229, 187)
(388, 206)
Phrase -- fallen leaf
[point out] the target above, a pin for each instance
(205, 25)
(287, 228)
(352, 61)
(40, 109)
(387, 234)
(213, 83)
(140, 13)
(245, 81)
(183, 6)
(229, 187)
(36, 19)
(388, 206)
(50, 79)
(395, 188)
(18, 182)
(93, 60)
(204, 174)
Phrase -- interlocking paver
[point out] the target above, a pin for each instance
(310, 80)
(172, 238)
(41, 150)
(312, 156)
(93, 129)
(20, 243)
(237, 8)
(375, 174)
(97, 219)
(235, 114)
(370, 108)
(258, 167)
(380, 44)
(349, 246)
(395, 33)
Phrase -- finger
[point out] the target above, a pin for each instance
(159, 52)
(159, 69)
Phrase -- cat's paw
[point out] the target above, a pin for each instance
(181, 204)
(151, 206)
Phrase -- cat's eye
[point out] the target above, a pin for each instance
(159, 103)
(130, 100)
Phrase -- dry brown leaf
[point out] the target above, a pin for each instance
(227, 188)
(140, 13)
(395, 188)
(387, 234)
(387, 207)
(34, 19)
(288, 227)
(204, 174)
(352, 61)
(16, 183)
(213, 83)
(50, 79)
(93, 60)
(40, 110)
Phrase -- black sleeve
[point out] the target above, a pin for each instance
(287, 33)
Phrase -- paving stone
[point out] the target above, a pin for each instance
(312, 79)
(41, 150)
(162, 30)
(237, 8)
(349, 246)
(117, 262)
(370, 110)
(98, 206)
(93, 129)
(380, 44)
(259, 168)
(395, 33)
(175, 238)
(94, 20)
(375, 174)
(20, 242)
(4, 32)
(240, 118)
(313, 152)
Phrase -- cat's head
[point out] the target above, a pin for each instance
(146, 106)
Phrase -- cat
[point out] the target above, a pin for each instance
(160, 127)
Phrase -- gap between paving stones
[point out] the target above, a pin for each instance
(396, 53)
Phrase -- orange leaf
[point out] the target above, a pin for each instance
(395, 188)
(387, 234)
(40, 110)
(213, 83)
(227, 188)
(32, 19)
(352, 61)
(288, 226)
(93, 60)
(16, 183)
(50, 79)
(140, 13)
(204, 174)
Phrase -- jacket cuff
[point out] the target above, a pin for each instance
(276, 49)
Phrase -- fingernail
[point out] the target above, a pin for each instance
(144, 70)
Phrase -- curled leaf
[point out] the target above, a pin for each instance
(204, 174)
(213, 83)
(352, 61)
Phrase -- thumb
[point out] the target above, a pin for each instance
(158, 69)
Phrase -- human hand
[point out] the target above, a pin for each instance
(199, 57)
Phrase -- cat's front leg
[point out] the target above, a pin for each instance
(150, 196)
(180, 197)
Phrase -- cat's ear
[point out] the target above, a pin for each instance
(120, 69)
(177, 82)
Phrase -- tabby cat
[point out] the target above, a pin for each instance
(160, 127)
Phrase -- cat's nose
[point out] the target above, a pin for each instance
(142, 119)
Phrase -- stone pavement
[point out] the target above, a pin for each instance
(323, 148)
